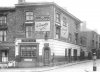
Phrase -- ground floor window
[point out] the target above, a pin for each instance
(65, 52)
(28, 51)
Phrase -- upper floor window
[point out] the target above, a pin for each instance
(76, 38)
(96, 44)
(70, 37)
(29, 16)
(93, 43)
(83, 41)
(2, 20)
(3, 35)
(64, 21)
(77, 26)
(58, 17)
(58, 30)
(29, 31)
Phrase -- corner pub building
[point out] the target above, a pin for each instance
(37, 34)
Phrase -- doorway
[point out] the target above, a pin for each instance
(4, 54)
(75, 54)
(69, 55)
(46, 56)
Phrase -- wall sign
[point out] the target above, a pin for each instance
(27, 59)
(64, 31)
(42, 26)
(42, 23)
(46, 44)
(42, 18)
(64, 26)
(28, 40)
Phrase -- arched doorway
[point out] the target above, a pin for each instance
(46, 56)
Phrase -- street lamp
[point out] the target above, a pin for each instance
(94, 53)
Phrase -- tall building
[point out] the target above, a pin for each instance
(38, 34)
(89, 39)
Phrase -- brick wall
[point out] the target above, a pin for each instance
(71, 26)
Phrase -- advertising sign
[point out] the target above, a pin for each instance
(42, 23)
(64, 26)
(64, 31)
(42, 18)
(42, 26)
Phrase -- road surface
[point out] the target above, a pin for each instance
(81, 67)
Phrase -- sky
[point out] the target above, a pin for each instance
(85, 10)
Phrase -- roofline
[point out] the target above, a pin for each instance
(48, 3)
(34, 3)
(7, 8)
(68, 13)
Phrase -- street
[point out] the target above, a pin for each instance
(81, 67)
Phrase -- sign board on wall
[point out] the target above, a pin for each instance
(64, 31)
(42, 26)
(42, 23)
(64, 26)
(42, 18)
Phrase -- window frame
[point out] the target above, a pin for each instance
(58, 17)
(65, 21)
(3, 20)
(28, 51)
(58, 32)
(3, 36)
(30, 31)
(29, 15)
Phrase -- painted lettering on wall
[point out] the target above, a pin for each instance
(42, 26)
(64, 31)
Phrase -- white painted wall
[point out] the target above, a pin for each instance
(41, 45)
(57, 47)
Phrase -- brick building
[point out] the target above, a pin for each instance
(89, 39)
(38, 33)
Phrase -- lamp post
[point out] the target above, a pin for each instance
(94, 60)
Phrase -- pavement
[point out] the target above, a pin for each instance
(41, 69)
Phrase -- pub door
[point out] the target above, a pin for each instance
(75, 54)
(46, 56)
(69, 55)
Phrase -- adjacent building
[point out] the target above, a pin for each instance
(36, 34)
(89, 39)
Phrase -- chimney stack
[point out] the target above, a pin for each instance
(21, 1)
